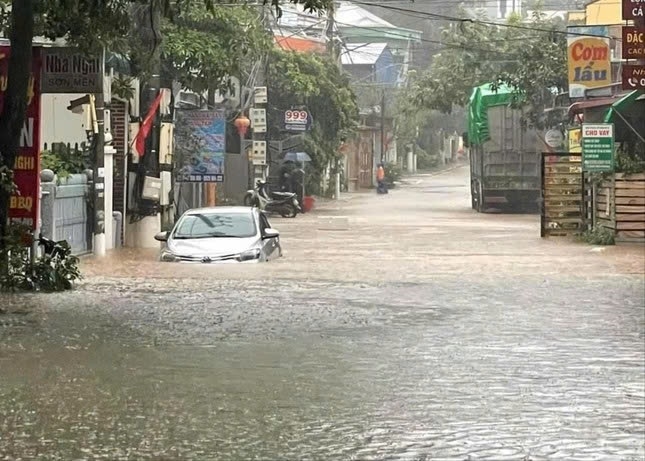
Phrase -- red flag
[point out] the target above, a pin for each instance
(144, 130)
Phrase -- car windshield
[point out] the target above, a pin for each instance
(218, 224)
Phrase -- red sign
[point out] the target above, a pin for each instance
(633, 42)
(25, 205)
(633, 9)
(633, 77)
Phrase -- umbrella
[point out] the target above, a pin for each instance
(297, 157)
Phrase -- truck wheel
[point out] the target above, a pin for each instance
(480, 198)
(473, 197)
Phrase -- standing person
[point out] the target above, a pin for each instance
(381, 187)
(285, 176)
(297, 181)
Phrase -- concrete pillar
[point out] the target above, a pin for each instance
(109, 206)
(410, 162)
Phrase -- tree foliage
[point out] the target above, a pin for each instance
(315, 83)
(530, 57)
(202, 48)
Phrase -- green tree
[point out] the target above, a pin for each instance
(204, 47)
(529, 57)
(315, 83)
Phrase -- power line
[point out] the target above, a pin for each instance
(437, 16)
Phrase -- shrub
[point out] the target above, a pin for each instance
(599, 235)
(48, 273)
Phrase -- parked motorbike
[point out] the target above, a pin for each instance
(283, 203)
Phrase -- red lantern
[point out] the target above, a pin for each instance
(242, 124)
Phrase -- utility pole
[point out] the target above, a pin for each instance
(335, 54)
(99, 243)
(383, 125)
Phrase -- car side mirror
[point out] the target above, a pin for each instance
(162, 236)
(270, 233)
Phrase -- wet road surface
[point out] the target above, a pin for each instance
(422, 331)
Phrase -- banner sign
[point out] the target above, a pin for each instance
(633, 77)
(297, 120)
(633, 42)
(598, 147)
(633, 9)
(588, 59)
(66, 70)
(24, 207)
(203, 139)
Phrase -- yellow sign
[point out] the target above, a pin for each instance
(575, 138)
(589, 60)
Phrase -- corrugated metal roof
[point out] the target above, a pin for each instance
(362, 53)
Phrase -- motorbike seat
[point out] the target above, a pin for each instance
(282, 194)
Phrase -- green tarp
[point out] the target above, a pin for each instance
(622, 104)
(481, 99)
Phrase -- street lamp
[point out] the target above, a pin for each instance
(242, 124)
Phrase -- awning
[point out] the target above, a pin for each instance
(578, 107)
(622, 104)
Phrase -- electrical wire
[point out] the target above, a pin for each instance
(437, 16)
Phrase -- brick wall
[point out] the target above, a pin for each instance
(118, 114)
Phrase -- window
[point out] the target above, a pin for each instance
(218, 224)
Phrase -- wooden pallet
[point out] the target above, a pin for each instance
(620, 206)
(562, 190)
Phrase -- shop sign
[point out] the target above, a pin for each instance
(66, 70)
(633, 77)
(633, 9)
(633, 42)
(24, 206)
(598, 147)
(297, 120)
(589, 59)
(554, 138)
(575, 135)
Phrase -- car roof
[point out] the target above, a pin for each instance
(222, 209)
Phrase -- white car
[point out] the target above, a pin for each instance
(221, 234)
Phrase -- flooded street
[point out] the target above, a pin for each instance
(419, 331)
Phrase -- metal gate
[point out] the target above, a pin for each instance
(65, 212)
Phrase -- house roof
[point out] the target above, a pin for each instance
(305, 45)
(362, 53)
(347, 16)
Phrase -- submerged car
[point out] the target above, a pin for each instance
(221, 234)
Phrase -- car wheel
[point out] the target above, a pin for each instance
(289, 212)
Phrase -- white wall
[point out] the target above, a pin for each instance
(59, 124)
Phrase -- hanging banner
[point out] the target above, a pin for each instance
(202, 137)
(24, 206)
(589, 59)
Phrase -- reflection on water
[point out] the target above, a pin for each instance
(492, 377)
